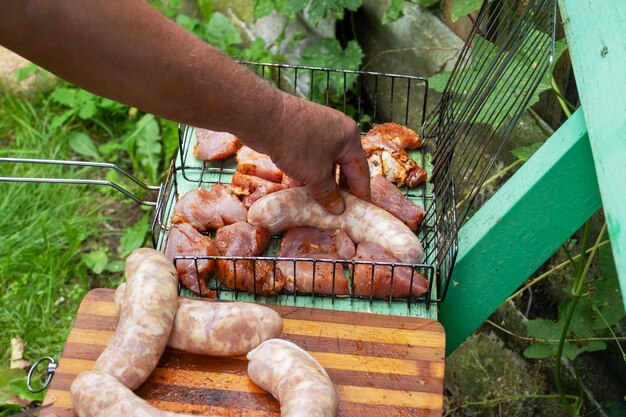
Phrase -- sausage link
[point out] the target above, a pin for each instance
(294, 378)
(146, 318)
(362, 221)
(216, 328)
(98, 394)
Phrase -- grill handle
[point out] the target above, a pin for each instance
(107, 183)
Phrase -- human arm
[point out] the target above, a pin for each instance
(127, 51)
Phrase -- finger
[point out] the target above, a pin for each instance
(356, 171)
(328, 195)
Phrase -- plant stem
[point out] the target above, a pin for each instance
(565, 105)
(617, 339)
(574, 340)
(494, 401)
(549, 272)
(490, 180)
(583, 268)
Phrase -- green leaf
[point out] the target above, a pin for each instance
(257, 52)
(22, 73)
(169, 134)
(540, 351)
(605, 293)
(82, 144)
(426, 3)
(20, 388)
(58, 121)
(438, 81)
(328, 53)
(319, 9)
(503, 98)
(206, 8)
(187, 22)
(464, 7)
(88, 110)
(6, 376)
(393, 12)
(523, 153)
(262, 8)
(111, 148)
(147, 146)
(134, 237)
(9, 409)
(570, 350)
(221, 33)
(96, 260)
(560, 47)
(65, 96)
(114, 266)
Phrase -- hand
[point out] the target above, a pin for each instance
(309, 140)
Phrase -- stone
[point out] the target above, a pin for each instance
(418, 44)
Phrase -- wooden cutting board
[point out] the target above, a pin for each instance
(380, 365)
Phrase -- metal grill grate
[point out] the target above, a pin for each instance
(493, 82)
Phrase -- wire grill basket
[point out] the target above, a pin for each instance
(494, 80)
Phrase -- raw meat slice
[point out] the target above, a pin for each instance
(309, 276)
(243, 239)
(401, 136)
(376, 280)
(213, 146)
(209, 209)
(255, 186)
(387, 196)
(250, 162)
(184, 240)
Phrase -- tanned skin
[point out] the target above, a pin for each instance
(127, 51)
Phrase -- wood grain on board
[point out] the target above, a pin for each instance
(380, 365)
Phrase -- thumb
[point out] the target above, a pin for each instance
(328, 195)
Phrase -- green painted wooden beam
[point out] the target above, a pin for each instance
(595, 33)
(522, 225)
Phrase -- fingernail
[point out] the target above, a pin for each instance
(336, 206)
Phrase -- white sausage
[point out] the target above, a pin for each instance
(362, 221)
(294, 378)
(98, 394)
(219, 328)
(145, 320)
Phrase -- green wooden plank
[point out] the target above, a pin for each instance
(595, 33)
(519, 228)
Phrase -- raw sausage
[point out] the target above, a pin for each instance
(361, 220)
(294, 377)
(146, 318)
(97, 394)
(216, 328)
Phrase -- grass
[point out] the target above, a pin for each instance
(45, 229)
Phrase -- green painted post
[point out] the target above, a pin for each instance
(597, 43)
(519, 228)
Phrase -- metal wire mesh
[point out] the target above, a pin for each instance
(368, 98)
(494, 80)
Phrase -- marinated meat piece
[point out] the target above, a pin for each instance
(256, 187)
(311, 242)
(184, 240)
(213, 146)
(386, 156)
(387, 196)
(209, 209)
(243, 239)
(401, 136)
(381, 275)
(250, 162)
